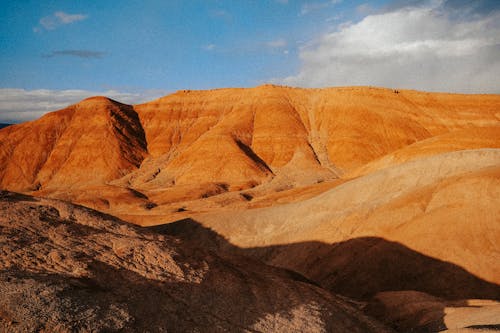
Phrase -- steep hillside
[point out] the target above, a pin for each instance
(465, 139)
(88, 143)
(429, 225)
(322, 131)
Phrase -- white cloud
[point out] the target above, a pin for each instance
(309, 7)
(364, 9)
(86, 54)
(69, 18)
(277, 43)
(57, 19)
(18, 105)
(209, 47)
(418, 47)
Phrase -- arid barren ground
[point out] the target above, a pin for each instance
(272, 208)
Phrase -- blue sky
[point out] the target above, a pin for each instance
(157, 44)
(53, 53)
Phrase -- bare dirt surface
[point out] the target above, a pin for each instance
(65, 268)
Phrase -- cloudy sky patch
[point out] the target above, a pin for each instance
(419, 47)
(18, 105)
(79, 47)
(57, 19)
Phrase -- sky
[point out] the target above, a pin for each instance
(55, 53)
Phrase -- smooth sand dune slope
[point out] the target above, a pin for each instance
(465, 139)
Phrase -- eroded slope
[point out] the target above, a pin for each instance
(89, 143)
(191, 145)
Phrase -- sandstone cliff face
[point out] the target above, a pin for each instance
(331, 129)
(26, 147)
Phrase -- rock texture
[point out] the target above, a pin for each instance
(429, 225)
(66, 268)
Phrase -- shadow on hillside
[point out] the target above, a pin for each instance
(113, 299)
(8, 196)
(357, 268)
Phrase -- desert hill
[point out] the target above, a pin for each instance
(196, 144)
(418, 241)
(92, 142)
(430, 205)
(389, 198)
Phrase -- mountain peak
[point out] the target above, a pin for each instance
(98, 100)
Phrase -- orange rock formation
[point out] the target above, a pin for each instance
(371, 194)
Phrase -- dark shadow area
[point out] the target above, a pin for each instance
(15, 197)
(253, 156)
(229, 298)
(137, 194)
(247, 196)
(128, 128)
(485, 327)
(359, 268)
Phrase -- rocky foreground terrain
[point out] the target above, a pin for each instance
(269, 209)
(66, 268)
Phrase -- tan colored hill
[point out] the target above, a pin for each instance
(65, 268)
(429, 225)
(469, 138)
(308, 130)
